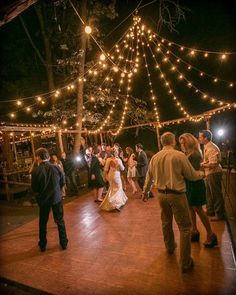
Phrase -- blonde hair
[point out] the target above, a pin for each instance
(191, 143)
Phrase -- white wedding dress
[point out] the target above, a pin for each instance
(115, 197)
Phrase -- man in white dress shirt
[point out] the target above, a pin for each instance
(213, 172)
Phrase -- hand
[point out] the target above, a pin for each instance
(93, 177)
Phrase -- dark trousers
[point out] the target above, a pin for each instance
(71, 183)
(44, 211)
(215, 200)
(141, 181)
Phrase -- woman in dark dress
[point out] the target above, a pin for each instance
(95, 177)
(196, 191)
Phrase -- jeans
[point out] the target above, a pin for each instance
(44, 211)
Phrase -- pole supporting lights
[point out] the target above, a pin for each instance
(88, 30)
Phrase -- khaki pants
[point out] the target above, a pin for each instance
(177, 205)
(215, 200)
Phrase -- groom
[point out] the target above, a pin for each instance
(142, 166)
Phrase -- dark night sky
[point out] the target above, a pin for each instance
(208, 25)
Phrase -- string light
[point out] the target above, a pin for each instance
(164, 40)
(181, 76)
(190, 66)
(170, 91)
(88, 30)
(153, 97)
(128, 72)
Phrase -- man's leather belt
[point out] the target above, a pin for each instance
(169, 191)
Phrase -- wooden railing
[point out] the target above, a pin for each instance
(14, 178)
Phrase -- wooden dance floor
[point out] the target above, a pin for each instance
(115, 253)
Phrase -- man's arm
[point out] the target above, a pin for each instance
(142, 161)
(148, 181)
(213, 159)
(35, 182)
(62, 178)
(188, 171)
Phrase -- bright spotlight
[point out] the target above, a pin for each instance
(78, 159)
(220, 132)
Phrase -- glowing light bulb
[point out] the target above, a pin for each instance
(102, 57)
(88, 30)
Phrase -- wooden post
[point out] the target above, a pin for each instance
(101, 137)
(14, 147)
(80, 83)
(32, 145)
(158, 137)
(5, 178)
(208, 126)
(59, 137)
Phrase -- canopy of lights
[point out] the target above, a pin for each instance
(138, 52)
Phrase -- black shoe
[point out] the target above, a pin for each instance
(212, 243)
(195, 237)
(42, 248)
(64, 246)
(150, 195)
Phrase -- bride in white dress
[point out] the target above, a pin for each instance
(115, 197)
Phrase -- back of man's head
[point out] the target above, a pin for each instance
(42, 153)
(139, 145)
(168, 138)
(207, 134)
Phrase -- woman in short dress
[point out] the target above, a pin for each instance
(132, 171)
(196, 191)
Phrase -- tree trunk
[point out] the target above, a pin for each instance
(80, 81)
(47, 47)
(158, 137)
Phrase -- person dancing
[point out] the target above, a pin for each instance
(95, 178)
(131, 163)
(115, 197)
(196, 191)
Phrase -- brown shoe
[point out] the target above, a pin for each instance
(188, 268)
(172, 250)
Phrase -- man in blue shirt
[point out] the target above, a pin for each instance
(47, 181)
